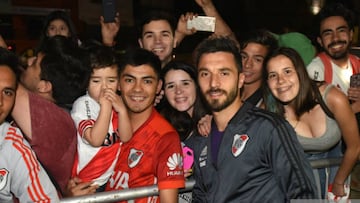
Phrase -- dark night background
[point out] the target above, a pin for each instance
(278, 16)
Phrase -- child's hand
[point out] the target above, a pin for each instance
(104, 100)
(116, 101)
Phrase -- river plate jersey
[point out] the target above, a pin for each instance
(21, 174)
(152, 156)
(94, 163)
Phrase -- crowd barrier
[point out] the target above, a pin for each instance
(126, 194)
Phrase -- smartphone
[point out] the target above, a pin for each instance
(355, 80)
(188, 157)
(109, 10)
(202, 23)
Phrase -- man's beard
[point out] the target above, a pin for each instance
(216, 105)
(340, 54)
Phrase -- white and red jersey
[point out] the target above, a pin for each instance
(94, 163)
(322, 68)
(152, 156)
(21, 174)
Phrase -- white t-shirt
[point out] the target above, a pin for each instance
(340, 76)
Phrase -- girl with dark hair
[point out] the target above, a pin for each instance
(319, 113)
(58, 22)
(182, 95)
(183, 108)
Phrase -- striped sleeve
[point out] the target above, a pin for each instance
(84, 124)
(297, 179)
(29, 181)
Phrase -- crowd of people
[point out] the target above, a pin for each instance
(243, 120)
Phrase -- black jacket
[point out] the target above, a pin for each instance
(271, 167)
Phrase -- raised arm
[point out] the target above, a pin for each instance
(96, 134)
(181, 30)
(221, 27)
(109, 30)
(125, 129)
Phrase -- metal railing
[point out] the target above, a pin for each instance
(126, 194)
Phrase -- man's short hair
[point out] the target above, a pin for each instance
(140, 56)
(8, 58)
(335, 9)
(64, 65)
(218, 44)
(153, 15)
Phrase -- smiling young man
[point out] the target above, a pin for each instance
(335, 64)
(254, 48)
(21, 174)
(156, 33)
(250, 155)
(153, 155)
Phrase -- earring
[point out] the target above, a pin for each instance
(173, 56)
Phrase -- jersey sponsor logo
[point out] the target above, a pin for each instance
(3, 178)
(238, 144)
(119, 180)
(134, 157)
(175, 163)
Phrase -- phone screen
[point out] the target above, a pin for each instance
(109, 10)
(355, 80)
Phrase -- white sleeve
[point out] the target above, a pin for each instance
(84, 108)
(316, 69)
(29, 181)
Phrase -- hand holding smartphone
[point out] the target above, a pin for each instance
(202, 23)
(355, 80)
(109, 10)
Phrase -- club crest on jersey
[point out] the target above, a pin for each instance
(134, 157)
(238, 144)
(3, 178)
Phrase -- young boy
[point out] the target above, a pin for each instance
(97, 116)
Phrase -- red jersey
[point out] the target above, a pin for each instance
(152, 156)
